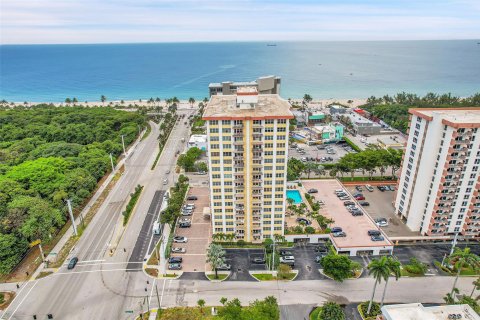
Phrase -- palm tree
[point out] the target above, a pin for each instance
(463, 258)
(103, 99)
(201, 304)
(380, 270)
(205, 100)
(307, 98)
(158, 101)
(395, 267)
(68, 101)
(476, 286)
(216, 257)
(191, 101)
(309, 167)
(75, 100)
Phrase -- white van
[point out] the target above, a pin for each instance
(156, 228)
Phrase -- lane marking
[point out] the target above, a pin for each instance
(89, 271)
(151, 292)
(22, 301)
(161, 298)
(17, 295)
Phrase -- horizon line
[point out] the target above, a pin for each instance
(232, 41)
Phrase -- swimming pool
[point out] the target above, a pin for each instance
(295, 196)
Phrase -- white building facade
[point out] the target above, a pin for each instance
(438, 190)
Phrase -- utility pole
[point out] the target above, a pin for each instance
(69, 204)
(123, 144)
(158, 298)
(454, 242)
(111, 162)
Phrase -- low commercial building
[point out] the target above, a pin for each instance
(300, 118)
(362, 125)
(417, 311)
(315, 118)
(337, 110)
(198, 140)
(263, 85)
(332, 132)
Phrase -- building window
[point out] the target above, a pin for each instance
(213, 130)
(213, 122)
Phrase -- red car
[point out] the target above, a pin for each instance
(360, 198)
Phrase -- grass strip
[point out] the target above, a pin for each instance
(131, 204)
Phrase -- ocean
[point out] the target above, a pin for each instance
(325, 70)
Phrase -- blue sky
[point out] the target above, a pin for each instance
(122, 21)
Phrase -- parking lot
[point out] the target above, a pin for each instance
(240, 261)
(199, 235)
(381, 206)
(305, 254)
(314, 152)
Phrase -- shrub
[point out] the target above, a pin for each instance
(2, 298)
(331, 311)
(309, 230)
(416, 267)
(374, 311)
(284, 271)
(241, 243)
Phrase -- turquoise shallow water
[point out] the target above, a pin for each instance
(323, 69)
(295, 196)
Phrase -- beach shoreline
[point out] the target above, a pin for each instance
(351, 102)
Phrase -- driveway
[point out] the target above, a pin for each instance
(305, 262)
(240, 260)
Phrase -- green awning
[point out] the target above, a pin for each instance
(317, 117)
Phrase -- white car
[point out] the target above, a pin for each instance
(185, 220)
(179, 250)
(287, 258)
(304, 159)
(189, 206)
(382, 222)
(165, 181)
(180, 239)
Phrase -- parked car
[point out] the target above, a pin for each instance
(313, 190)
(174, 266)
(357, 213)
(364, 203)
(179, 250)
(304, 159)
(374, 233)
(187, 213)
(305, 221)
(339, 234)
(189, 206)
(321, 249)
(289, 260)
(356, 194)
(321, 147)
(344, 198)
(318, 259)
(182, 220)
(225, 267)
(381, 222)
(381, 188)
(377, 238)
(258, 260)
(185, 224)
(360, 198)
(369, 187)
(72, 263)
(286, 253)
(175, 260)
(336, 229)
(391, 187)
(165, 181)
(359, 188)
(339, 191)
(192, 198)
(180, 239)
(348, 203)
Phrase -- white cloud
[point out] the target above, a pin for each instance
(94, 21)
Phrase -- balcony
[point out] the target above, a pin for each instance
(238, 180)
(239, 165)
(257, 158)
(238, 158)
(238, 134)
(238, 142)
(238, 126)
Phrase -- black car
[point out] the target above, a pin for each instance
(336, 229)
(381, 188)
(357, 194)
(175, 266)
(348, 203)
(312, 190)
(374, 233)
(72, 263)
(357, 213)
(258, 260)
(321, 250)
(364, 203)
(305, 221)
(359, 188)
(175, 260)
(192, 198)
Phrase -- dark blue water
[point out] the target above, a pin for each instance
(323, 69)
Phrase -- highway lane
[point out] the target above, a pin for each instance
(100, 287)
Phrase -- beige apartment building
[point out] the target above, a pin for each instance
(438, 190)
(247, 155)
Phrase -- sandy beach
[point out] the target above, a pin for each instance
(351, 102)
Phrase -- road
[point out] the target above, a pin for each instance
(99, 287)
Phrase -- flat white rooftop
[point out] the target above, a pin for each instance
(454, 115)
(416, 311)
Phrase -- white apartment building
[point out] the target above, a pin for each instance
(247, 154)
(438, 191)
